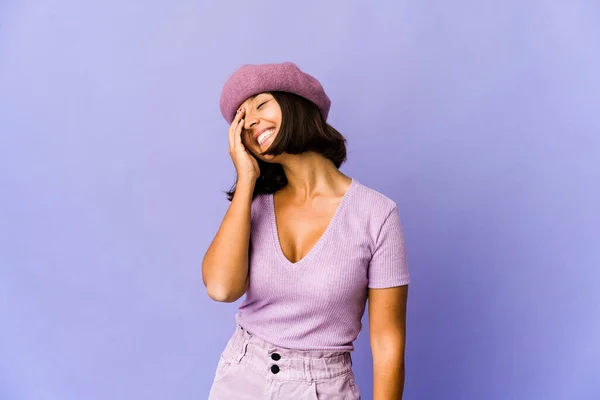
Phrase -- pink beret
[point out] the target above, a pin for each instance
(251, 79)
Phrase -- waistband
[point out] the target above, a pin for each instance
(278, 363)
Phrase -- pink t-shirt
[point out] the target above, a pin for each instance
(317, 303)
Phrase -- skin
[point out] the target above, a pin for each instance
(259, 112)
(304, 208)
(387, 331)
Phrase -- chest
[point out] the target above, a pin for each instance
(300, 227)
(317, 256)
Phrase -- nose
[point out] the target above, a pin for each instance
(250, 120)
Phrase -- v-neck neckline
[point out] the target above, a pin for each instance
(319, 242)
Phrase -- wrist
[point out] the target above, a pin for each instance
(245, 184)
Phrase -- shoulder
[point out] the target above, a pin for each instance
(260, 207)
(372, 203)
(368, 212)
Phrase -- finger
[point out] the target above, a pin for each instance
(240, 128)
(232, 128)
(233, 124)
(235, 135)
(238, 115)
(238, 133)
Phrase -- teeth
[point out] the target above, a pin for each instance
(265, 135)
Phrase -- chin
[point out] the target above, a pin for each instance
(259, 149)
(266, 158)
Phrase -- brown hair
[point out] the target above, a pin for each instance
(302, 129)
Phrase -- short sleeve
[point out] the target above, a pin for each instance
(388, 266)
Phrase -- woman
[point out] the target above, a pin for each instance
(307, 245)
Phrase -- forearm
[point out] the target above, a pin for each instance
(388, 373)
(225, 265)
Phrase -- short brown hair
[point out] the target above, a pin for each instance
(302, 129)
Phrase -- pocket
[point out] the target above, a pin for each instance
(222, 368)
(354, 388)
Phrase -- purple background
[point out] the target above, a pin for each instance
(479, 118)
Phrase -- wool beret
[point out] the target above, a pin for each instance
(252, 79)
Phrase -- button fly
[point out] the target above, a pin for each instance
(275, 356)
(274, 369)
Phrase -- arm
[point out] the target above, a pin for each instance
(225, 264)
(387, 321)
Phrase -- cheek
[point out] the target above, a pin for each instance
(247, 140)
(250, 145)
(273, 113)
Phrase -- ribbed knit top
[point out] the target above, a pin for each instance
(318, 302)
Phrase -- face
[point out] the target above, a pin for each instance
(262, 120)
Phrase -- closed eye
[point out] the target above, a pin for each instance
(261, 104)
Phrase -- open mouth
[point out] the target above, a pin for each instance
(265, 135)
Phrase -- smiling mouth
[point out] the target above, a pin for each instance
(265, 135)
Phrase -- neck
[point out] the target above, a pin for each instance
(311, 174)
